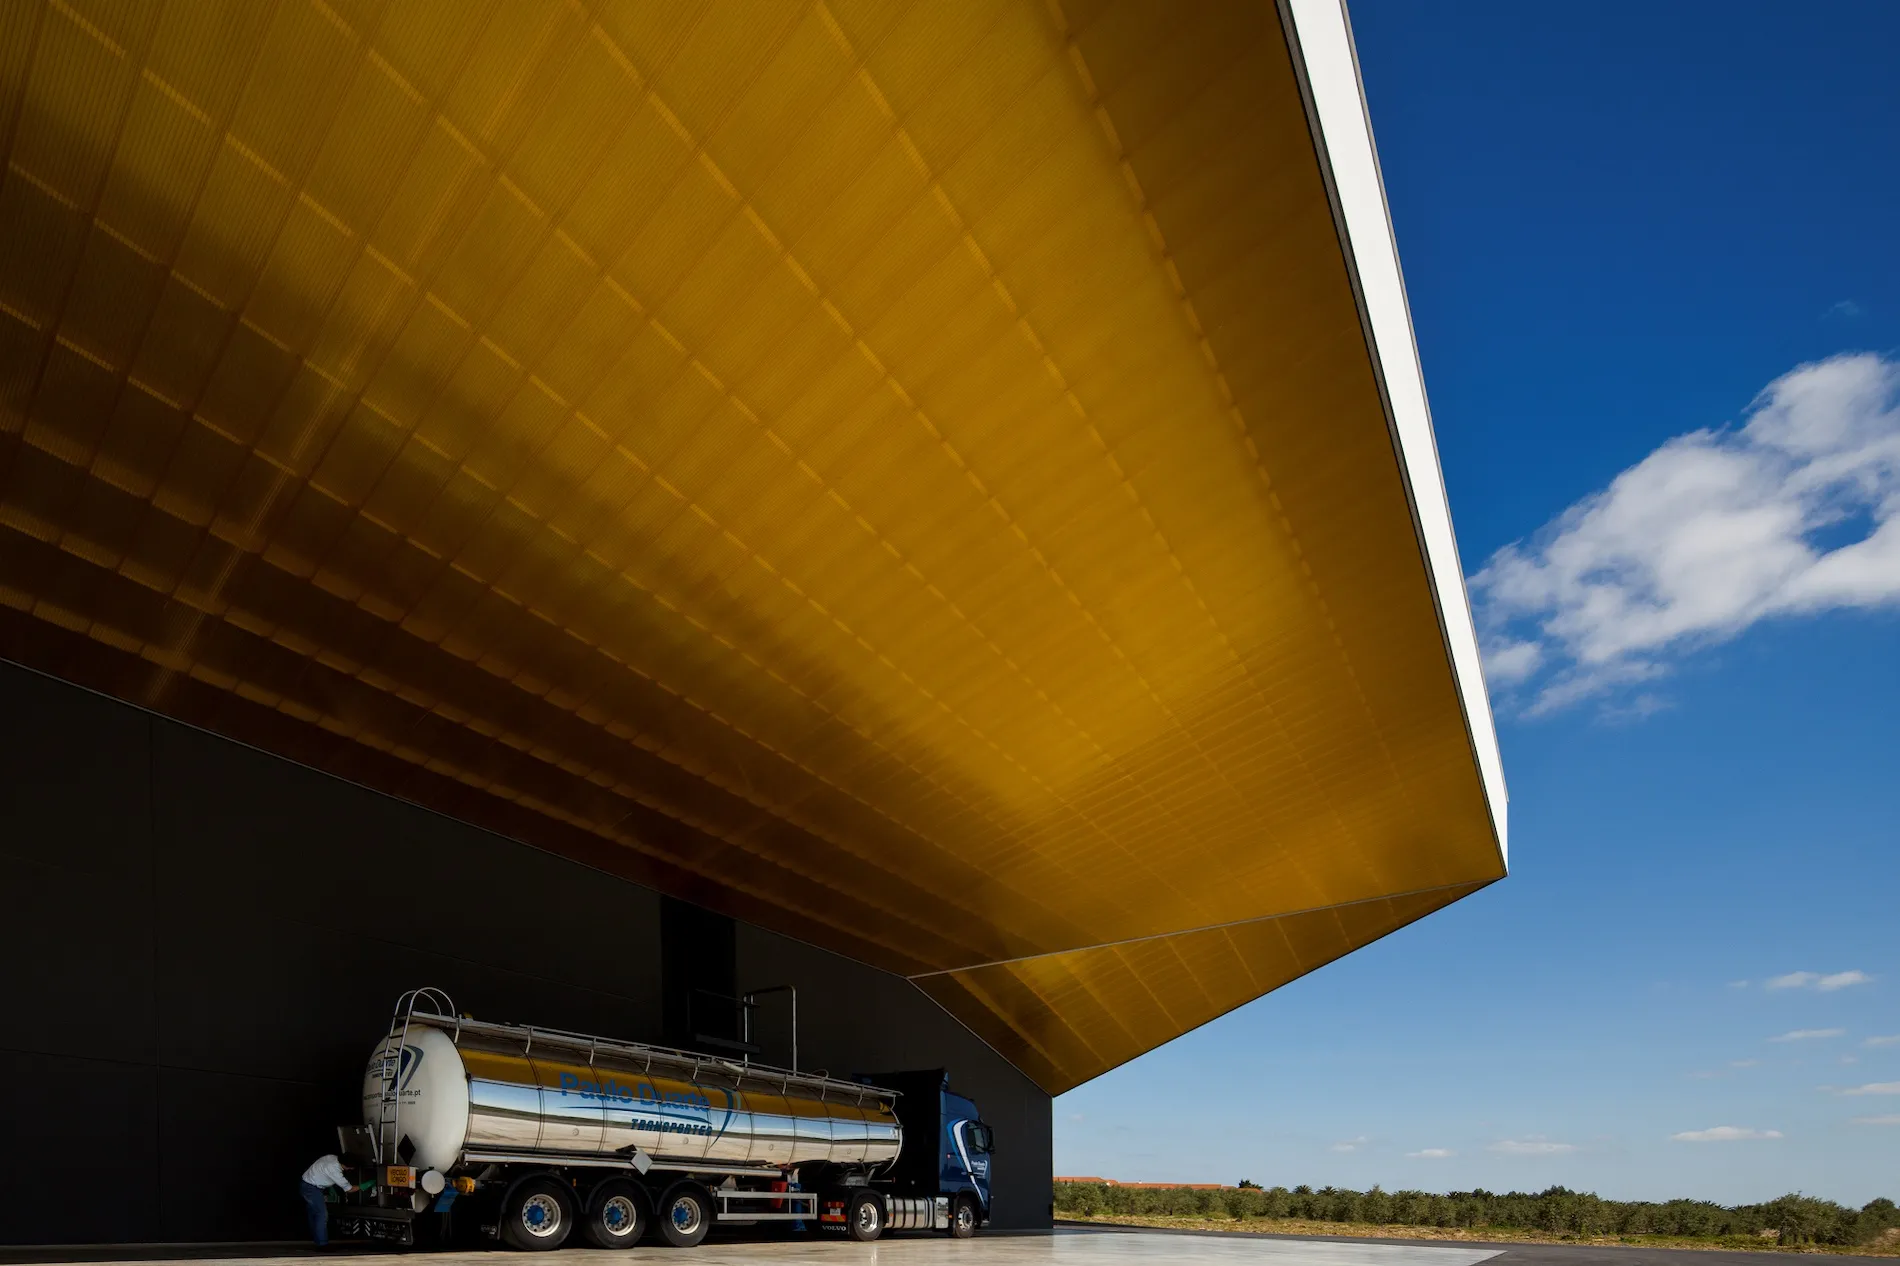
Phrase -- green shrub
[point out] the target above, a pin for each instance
(1795, 1219)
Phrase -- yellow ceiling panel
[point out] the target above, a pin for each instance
(1084, 1011)
(921, 477)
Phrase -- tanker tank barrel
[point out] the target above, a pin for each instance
(532, 1128)
(479, 1087)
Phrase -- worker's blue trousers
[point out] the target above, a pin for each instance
(319, 1214)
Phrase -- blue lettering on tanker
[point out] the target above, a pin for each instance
(680, 1111)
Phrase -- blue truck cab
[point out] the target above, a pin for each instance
(948, 1148)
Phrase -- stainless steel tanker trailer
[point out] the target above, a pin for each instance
(530, 1135)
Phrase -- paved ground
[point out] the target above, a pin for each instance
(1067, 1246)
(1519, 1254)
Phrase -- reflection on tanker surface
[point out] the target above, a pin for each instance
(526, 1134)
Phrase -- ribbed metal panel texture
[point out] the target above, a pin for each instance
(907, 475)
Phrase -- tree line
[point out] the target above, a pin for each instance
(1795, 1219)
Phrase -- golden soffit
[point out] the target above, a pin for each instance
(922, 478)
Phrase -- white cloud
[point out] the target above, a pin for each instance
(1534, 1146)
(1508, 663)
(1850, 1059)
(1743, 1063)
(1724, 1134)
(1349, 1145)
(1432, 1153)
(1738, 984)
(1875, 1088)
(1885, 1039)
(1815, 980)
(1891, 1118)
(1807, 1035)
(1709, 534)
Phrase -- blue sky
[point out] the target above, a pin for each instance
(1651, 256)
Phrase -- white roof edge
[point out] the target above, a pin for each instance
(1324, 42)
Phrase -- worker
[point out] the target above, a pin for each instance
(325, 1172)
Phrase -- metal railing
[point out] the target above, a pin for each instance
(389, 1112)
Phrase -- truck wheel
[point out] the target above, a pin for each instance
(685, 1215)
(537, 1215)
(962, 1218)
(864, 1215)
(616, 1215)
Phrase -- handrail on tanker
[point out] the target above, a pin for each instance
(390, 1092)
(646, 1052)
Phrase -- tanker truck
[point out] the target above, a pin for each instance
(529, 1135)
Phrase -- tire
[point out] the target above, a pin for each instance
(538, 1215)
(963, 1218)
(863, 1215)
(616, 1215)
(684, 1216)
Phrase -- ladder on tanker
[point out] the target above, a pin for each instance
(391, 1066)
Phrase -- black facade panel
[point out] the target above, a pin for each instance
(77, 949)
(220, 976)
(697, 978)
(75, 777)
(81, 1149)
(76, 922)
(204, 942)
(231, 1150)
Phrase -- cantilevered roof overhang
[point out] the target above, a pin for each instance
(950, 482)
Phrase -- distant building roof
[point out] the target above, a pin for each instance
(1169, 1186)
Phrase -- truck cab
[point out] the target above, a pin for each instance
(947, 1146)
(966, 1151)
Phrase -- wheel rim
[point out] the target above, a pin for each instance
(966, 1216)
(685, 1215)
(619, 1216)
(867, 1217)
(541, 1216)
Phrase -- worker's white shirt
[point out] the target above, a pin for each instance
(327, 1172)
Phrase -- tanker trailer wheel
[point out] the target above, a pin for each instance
(685, 1215)
(962, 1218)
(616, 1215)
(537, 1215)
(864, 1215)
